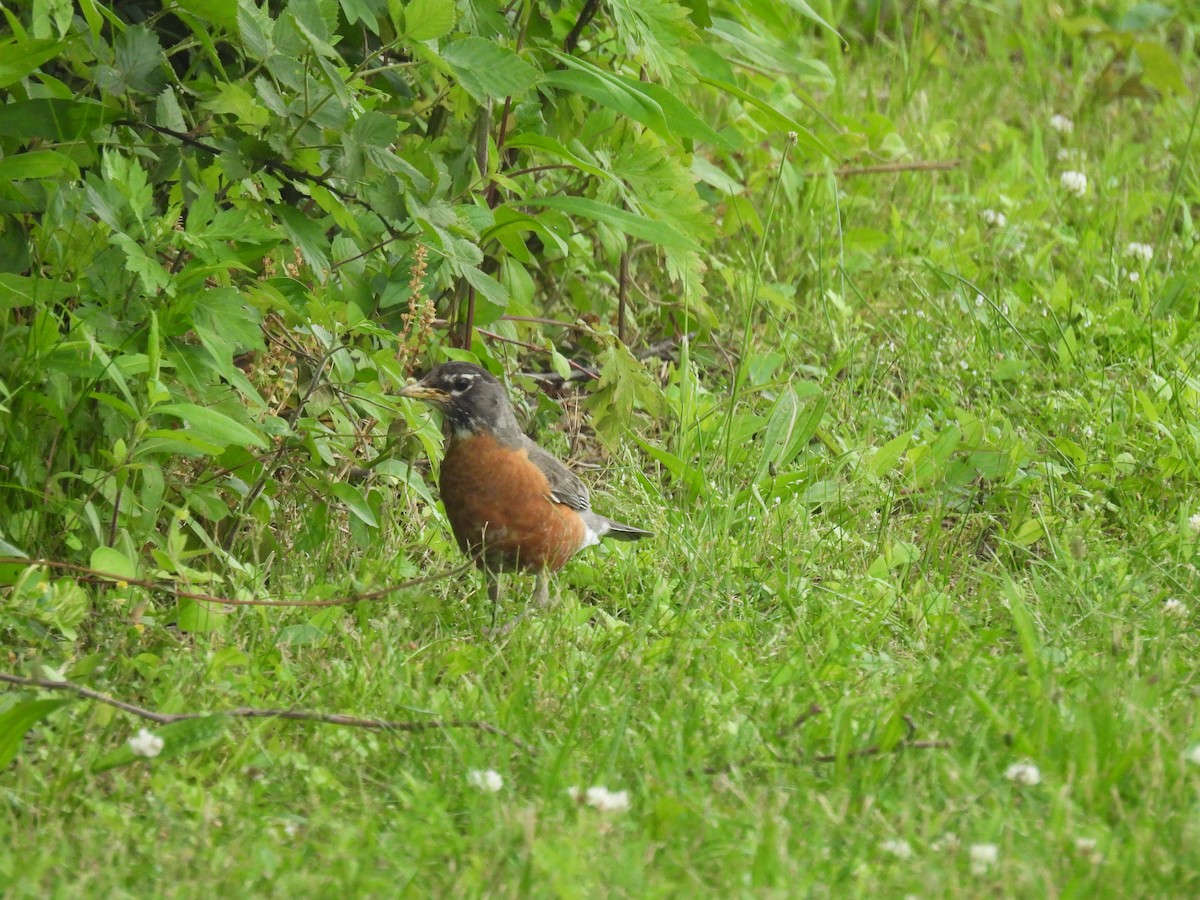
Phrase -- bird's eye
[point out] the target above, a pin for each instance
(462, 382)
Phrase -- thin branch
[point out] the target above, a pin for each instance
(585, 16)
(109, 577)
(586, 374)
(875, 751)
(246, 712)
(889, 168)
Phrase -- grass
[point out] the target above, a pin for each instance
(977, 543)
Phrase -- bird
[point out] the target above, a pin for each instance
(512, 506)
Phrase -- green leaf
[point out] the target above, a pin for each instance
(309, 236)
(1159, 68)
(486, 69)
(630, 223)
(199, 617)
(774, 117)
(23, 290)
(139, 64)
(355, 501)
(53, 119)
(809, 13)
(212, 425)
(15, 723)
(300, 635)
(178, 738)
(425, 20)
(19, 57)
(885, 458)
(236, 101)
(219, 12)
(113, 562)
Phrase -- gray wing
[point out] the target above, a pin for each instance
(565, 486)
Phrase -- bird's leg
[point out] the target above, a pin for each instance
(493, 588)
(541, 594)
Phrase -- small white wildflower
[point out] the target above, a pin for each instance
(1135, 277)
(146, 743)
(897, 847)
(947, 843)
(290, 828)
(487, 780)
(1194, 523)
(1074, 183)
(1061, 124)
(979, 300)
(1193, 755)
(1086, 847)
(983, 857)
(920, 314)
(1175, 608)
(892, 348)
(994, 217)
(601, 798)
(1143, 252)
(1025, 774)
(964, 365)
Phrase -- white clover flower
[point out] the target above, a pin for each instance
(1194, 523)
(994, 217)
(1193, 755)
(1143, 252)
(1074, 183)
(601, 798)
(983, 857)
(1061, 124)
(897, 847)
(1175, 608)
(1025, 774)
(947, 843)
(487, 780)
(1086, 847)
(1135, 277)
(146, 743)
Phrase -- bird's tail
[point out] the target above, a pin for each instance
(623, 532)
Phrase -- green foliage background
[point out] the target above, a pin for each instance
(923, 464)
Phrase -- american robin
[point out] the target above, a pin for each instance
(512, 506)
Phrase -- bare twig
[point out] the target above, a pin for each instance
(246, 712)
(94, 575)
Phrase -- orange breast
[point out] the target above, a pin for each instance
(499, 506)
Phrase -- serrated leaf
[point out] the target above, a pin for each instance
(15, 723)
(139, 64)
(486, 70)
(426, 20)
(309, 237)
